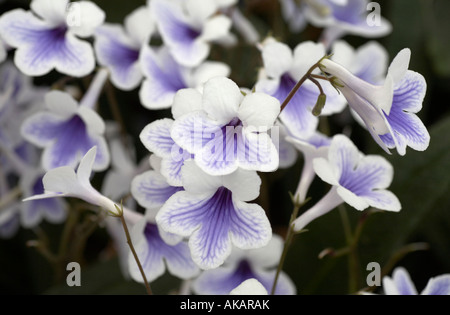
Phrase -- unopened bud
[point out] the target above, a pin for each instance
(320, 104)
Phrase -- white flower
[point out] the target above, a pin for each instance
(188, 28)
(360, 181)
(214, 214)
(46, 38)
(230, 130)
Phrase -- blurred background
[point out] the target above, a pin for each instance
(417, 238)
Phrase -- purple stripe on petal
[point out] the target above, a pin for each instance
(177, 257)
(297, 114)
(72, 140)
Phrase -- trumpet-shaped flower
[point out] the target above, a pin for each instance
(358, 180)
(258, 264)
(214, 214)
(388, 110)
(164, 76)
(283, 68)
(368, 62)
(401, 284)
(189, 27)
(65, 182)
(313, 147)
(46, 37)
(118, 47)
(68, 130)
(230, 130)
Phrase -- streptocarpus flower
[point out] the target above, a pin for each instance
(368, 62)
(156, 138)
(342, 17)
(189, 27)
(360, 181)
(259, 264)
(46, 38)
(388, 110)
(68, 130)
(283, 68)
(64, 182)
(158, 251)
(214, 214)
(118, 47)
(401, 284)
(230, 130)
(164, 76)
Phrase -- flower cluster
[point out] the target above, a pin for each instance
(193, 203)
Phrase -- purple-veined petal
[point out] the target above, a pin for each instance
(213, 222)
(193, 131)
(163, 78)
(116, 51)
(42, 47)
(41, 128)
(151, 190)
(156, 137)
(407, 128)
(297, 115)
(155, 255)
(179, 34)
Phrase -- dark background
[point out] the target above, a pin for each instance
(421, 179)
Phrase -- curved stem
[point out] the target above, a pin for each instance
(300, 83)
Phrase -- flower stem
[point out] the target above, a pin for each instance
(300, 83)
(130, 244)
(287, 242)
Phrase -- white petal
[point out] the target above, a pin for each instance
(244, 184)
(249, 287)
(208, 70)
(353, 200)
(88, 17)
(259, 110)
(399, 65)
(85, 168)
(221, 99)
(94, 122)
(61, 103)
(306, 55)
(50, 10)
(325, 171)
(186, 101)
(216, 28)
(140, 25)
(196, 181)
(277, 58)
